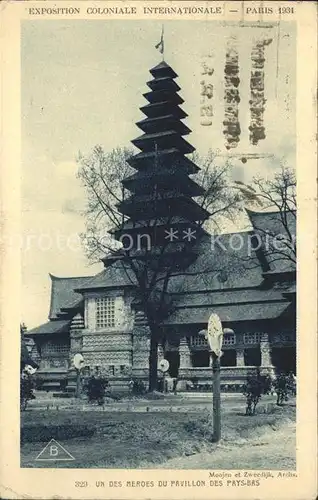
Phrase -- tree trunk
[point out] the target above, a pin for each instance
(153, 360)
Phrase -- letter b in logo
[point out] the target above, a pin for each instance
(54, 451)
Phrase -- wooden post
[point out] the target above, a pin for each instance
(78, 383)
(216, 398)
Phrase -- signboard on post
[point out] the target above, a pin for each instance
(214, 336)
(163, 365)
(78, 361)
(30, 369)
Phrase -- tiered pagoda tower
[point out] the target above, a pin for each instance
(161, 203)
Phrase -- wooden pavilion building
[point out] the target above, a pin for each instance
(100, 317)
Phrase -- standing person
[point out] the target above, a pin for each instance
(253, 390)
(281, 388)
(106, 386)
(131, 386)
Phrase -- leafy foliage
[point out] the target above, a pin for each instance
(26, 390)
(102, 173)
(284, 385)
(279, 195)
(96, 389)
(138, 387)
(256, 385)
(220, 199)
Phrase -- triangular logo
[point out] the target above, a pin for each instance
(54, 451)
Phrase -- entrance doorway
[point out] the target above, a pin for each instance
(200, 359)
(252, 356)
(284, 358)
(228, 357)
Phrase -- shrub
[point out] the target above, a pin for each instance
(138, 387)
(96, 388)
(281, 388)
(26, 390)
(256, 385)
(38, 381)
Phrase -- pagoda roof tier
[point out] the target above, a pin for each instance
(163, 123)
(163, 140)
(162, 96)
(163, 108)
(176, 220)
(166, 196)
(164, 179)
(165, 83)
(170, 158)
(163, 70)
(172, 203)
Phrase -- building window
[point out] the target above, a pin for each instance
(55, 348)
(251, 338)
(105, 312)
(199, 340)
(229, 339)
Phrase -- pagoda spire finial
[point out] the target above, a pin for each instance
(161, 45)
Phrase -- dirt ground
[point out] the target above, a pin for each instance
(168, 439)
(271, 450)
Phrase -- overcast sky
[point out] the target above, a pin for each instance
(82, 85)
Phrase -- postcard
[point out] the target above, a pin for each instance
(158, 250)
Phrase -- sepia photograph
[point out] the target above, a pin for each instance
(159, 244)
